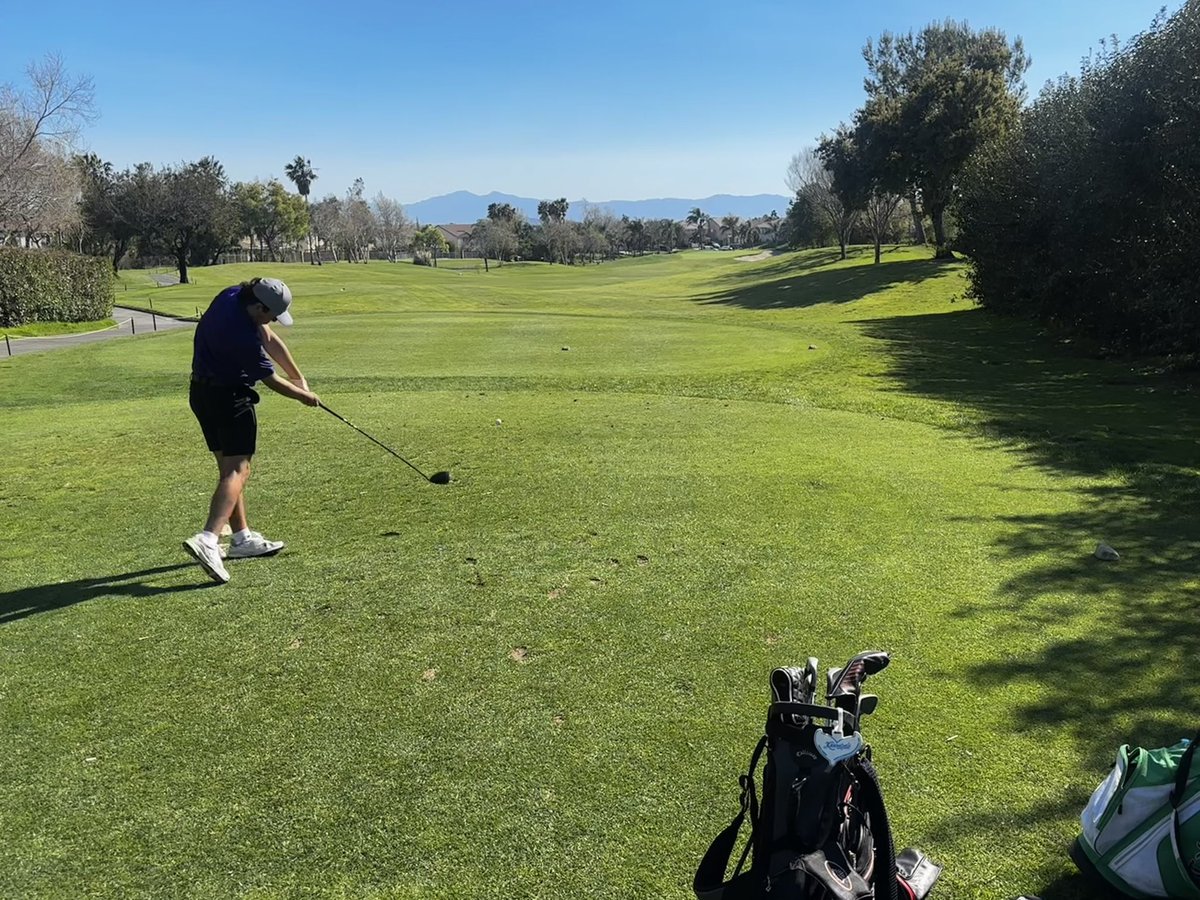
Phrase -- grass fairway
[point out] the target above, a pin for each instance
(671, 475)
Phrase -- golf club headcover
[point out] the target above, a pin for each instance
(847, 681)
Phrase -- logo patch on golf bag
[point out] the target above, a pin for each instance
(819, 829)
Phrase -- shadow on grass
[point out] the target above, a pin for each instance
(1128, 677)
(799, 281)
(29, 601)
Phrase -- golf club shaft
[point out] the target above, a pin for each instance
(380, 443)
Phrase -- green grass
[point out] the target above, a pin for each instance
(544, 679)
(51, 329)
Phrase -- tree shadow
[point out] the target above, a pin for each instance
(806, 280)
(1127, 678)
(29, 601)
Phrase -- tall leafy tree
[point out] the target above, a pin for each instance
(933, 97)
(113, 205)
(191, 215)
(250, 202)
(284, 220)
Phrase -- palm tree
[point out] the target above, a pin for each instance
(301, 173)
(700, 219)
(749, 233)
(730, 224)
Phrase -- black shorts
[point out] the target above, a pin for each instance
(226, 416)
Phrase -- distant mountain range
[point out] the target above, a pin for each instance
(463, 207)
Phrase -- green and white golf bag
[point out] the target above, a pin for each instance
(1141, 829)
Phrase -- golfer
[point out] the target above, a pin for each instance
(232, 350)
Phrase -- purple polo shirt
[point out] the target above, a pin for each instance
(227, 349)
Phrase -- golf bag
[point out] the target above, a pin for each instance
(819, 830)
(1141, 828)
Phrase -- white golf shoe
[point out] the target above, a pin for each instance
(208, 556)
(253, 545)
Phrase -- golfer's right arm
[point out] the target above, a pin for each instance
(285, 387)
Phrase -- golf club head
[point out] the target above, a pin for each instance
(440, 478)
(867, 704)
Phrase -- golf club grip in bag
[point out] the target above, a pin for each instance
(820, 830)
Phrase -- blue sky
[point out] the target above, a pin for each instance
(612, 100)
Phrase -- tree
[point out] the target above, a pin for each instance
(301, 173)
(1085, 215)
(326, 220)
(285, 219)
(805, 225)
(427, 243)
(495, 238)
(730, 224)
(552, 210)
(562, 240)
(38, 126)
(393, 230)
(113, 205)
(358, 224)
(602, 234)
(191, 215)
(250, 203)
(932, 99)
(636, 237)
(813, 183)
(594, 243)
(701, 220)
(45, 190)
(503, 212)
(860, 180)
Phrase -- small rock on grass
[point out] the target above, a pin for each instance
(1105, 552)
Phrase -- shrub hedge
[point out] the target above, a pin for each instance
(53, 286)
(1086, 215)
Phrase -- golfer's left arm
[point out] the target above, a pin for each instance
(278, 351)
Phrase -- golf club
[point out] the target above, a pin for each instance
(435, 478)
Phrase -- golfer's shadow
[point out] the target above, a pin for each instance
(27, 601)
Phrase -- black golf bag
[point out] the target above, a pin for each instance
(819, 829)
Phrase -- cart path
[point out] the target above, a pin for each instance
(129, 321)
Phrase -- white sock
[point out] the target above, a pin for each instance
(241, 536)
(208, 538)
